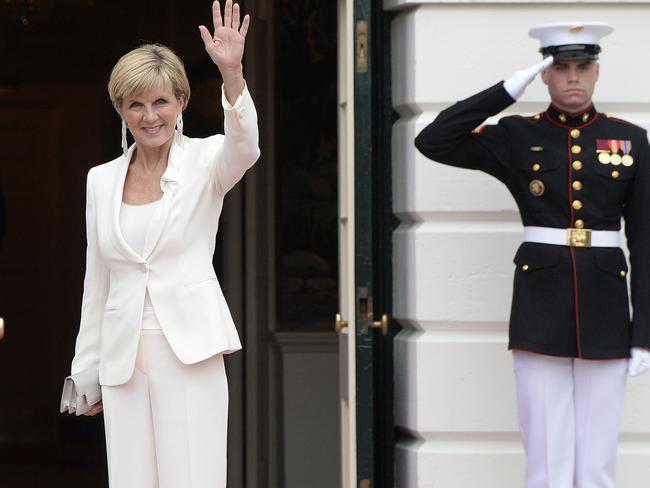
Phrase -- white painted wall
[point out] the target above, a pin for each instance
(459, 229)
(310, 419)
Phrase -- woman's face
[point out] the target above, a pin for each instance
(151, 116)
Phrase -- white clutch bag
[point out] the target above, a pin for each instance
(80, 392)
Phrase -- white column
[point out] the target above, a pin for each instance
(453, 250)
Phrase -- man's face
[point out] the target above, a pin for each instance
(571, 84)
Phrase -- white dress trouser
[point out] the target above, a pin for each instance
(569, 416)
(166, 427)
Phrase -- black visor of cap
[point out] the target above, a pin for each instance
(570, 52)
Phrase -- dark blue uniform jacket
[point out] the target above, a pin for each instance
(567, 301)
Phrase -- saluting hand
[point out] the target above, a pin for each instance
(517, 83)
(226, 46)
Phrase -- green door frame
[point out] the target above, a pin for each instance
(374, 225)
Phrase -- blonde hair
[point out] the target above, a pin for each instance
(144, 68)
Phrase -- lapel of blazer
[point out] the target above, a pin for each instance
(169, 183)
(117, 205)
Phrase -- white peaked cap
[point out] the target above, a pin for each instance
(566, 33)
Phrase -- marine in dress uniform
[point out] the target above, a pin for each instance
(573, 176)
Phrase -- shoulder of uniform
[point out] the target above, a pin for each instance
(536, 118)
(621, 121)
(509, 120)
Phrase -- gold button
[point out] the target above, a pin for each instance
(537, 116)
(615, 174)
(537, 167)
(524, 267)
(576, 149)
(577, 185)
(577, 165)
(577, 204)
(562, 117)
(575, 133)
(579, 224)
(623, 273)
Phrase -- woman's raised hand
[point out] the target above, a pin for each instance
(226, 46)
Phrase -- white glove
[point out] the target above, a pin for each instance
(517, 83)
(639, 361)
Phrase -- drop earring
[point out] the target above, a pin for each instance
(125, 145)
(179, 128)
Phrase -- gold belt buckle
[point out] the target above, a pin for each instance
(578, 237)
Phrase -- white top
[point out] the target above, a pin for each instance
(134, 223)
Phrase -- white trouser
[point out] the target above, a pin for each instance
(569, 415)
(166, 427)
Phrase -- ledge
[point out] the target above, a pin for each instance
(406, 4)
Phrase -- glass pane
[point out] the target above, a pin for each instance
(306, 165)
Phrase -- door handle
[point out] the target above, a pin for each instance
(340, 324)
(382, 325)
(2, 328)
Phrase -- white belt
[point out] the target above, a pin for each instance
(572, 237)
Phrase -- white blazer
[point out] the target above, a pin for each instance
(176, 265)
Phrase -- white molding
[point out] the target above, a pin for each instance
(405, 4)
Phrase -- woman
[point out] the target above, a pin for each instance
(154, 322)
